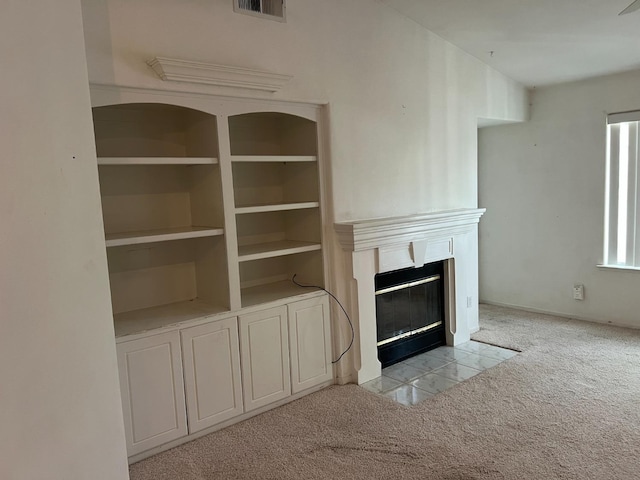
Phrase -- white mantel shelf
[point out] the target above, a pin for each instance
(181, 70)
(381, 232)
(388, 244)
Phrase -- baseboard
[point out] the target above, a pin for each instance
(560, 314)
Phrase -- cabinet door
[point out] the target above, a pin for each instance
(152, 391)
(310, 343)
(264, 349)
(212, 373)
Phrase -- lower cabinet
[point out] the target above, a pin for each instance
(264, 348)
(183, 381)
(152, 391)
(212, 373)
(310, 343)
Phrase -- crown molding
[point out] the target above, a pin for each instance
(177, 70)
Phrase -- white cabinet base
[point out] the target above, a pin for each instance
(310, 343)
(212, 373)
(152, 390)
(264, 348)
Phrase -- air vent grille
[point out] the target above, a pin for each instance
(273, 9)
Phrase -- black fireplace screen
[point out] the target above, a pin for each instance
(409, 312)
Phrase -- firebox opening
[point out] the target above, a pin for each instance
(409, 312)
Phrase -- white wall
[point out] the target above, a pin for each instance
(403, 103)
(60, 411)
(542, 183)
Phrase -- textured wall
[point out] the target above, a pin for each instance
(542, 183)
(60, 410)
(403, 103)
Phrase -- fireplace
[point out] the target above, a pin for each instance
(409, 312)
(384, 245)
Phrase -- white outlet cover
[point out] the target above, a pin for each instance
(578, 292)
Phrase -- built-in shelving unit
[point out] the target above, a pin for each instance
(163, 215)
(277, 204)
(193, 228)
(210, 207)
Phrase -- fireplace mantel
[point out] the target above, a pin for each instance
(387, 244)
(367, 234)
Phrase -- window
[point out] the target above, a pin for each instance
(272, 9)
(622, 206)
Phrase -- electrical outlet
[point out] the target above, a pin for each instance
(469, 302)
(578, 292)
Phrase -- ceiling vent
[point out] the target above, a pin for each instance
(271, 9)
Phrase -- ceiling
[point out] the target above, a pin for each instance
(536, 42)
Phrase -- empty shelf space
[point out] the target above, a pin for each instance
(146, 198)
(276, 207)
(272, 183)
(273, 158)
(148, 130)
(272, 133)
(146, 319)
(275, 249)
(272, 291)
(160, 235)
(157, 160)
(150, 275)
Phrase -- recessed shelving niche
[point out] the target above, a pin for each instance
(163, 188)
(274, 183)
(277, 204)
(162, 283)
(163, 215)
(269, 279)
(154, 130)
(272, 134)
(170, 201)
(263, 235)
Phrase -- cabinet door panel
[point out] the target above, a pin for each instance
(264, 348)
(212, 373)
(310, 343)
(152, 391)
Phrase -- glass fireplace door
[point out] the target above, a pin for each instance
(409, 312)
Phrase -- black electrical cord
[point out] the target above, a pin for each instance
(353, 334)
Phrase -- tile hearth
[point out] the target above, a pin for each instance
(425, 375)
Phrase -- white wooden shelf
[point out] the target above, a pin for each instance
(273, 291)
(163, 235)
(273, 158)
(275, 249)
(139, 321)
(276, 207)
(157, 161)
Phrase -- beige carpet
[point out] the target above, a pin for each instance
(567, 407)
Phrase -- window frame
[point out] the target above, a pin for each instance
(622, 192)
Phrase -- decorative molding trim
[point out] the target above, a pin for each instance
(368, 234)
(177, 70)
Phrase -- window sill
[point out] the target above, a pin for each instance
(619, 267)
